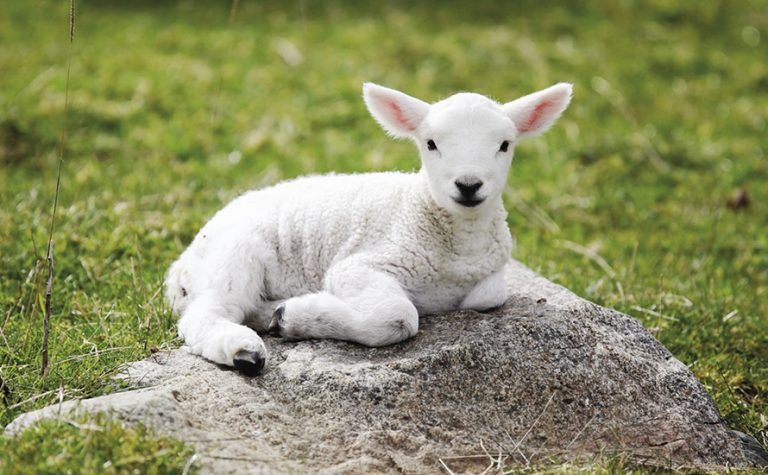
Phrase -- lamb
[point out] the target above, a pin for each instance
(360, 257)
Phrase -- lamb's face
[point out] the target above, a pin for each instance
(466, 141)
(466, 144)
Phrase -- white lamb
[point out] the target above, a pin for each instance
(360, 257)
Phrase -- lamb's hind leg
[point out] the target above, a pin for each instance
(358, 304)
(213, 329)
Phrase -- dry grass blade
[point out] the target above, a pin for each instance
(592, 255)
(189, 464)
(509, 436)
(654, 313)
(447, 469)
(62, 147)
(576, 437)
(495, 462)
(47, 317)
(96, 353)
(32, 399)
(543, 410)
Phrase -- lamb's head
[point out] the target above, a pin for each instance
(467, 140)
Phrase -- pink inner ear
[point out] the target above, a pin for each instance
(400, 116)
(535, 117)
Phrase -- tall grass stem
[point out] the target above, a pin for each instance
(62, 148)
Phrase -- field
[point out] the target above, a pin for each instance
(649, 196)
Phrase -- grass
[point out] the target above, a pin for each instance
(177, 107)
(95, 445)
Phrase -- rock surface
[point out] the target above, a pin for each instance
(549, 376)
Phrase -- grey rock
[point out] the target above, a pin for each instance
(547, 377)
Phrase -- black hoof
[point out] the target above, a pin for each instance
(275, 326)
(250, 363)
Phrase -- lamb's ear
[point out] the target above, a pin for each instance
(399, 114)
(535, 113)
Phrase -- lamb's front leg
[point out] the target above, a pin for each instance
(358, 304)
(489, 293)
(212, 328)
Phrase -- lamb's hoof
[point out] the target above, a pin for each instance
(275, 326)
(250, 363)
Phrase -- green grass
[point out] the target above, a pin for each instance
(94, 445)
(174, 108)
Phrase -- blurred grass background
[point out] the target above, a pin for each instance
(650, 195)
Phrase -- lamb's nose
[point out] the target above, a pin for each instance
(468, 188)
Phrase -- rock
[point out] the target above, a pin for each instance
(547, 377)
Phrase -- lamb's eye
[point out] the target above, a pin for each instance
(504, 146)
(431, 145)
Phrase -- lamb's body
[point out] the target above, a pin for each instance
(285, 238)
(298, 229)
(353, 257)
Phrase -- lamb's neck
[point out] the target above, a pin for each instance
(458, 232)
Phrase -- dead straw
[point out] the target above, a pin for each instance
(62, 148)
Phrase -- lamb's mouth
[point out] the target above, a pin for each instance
(469, 203)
